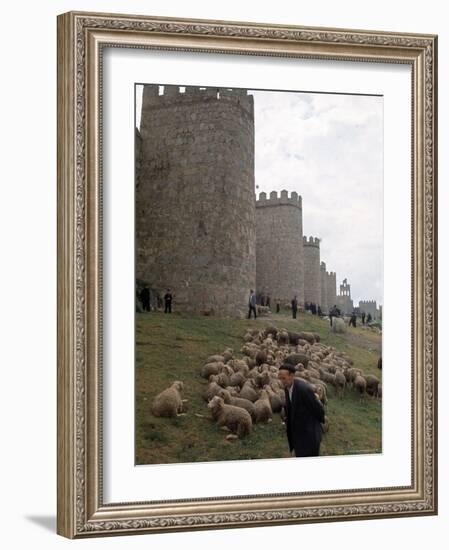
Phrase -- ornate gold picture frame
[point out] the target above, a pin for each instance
(82, 508)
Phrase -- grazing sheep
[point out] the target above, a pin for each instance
(261, 357)
(327, 377)
(238, 365)
(236, 419)
(338, 325)
(340, 382)
(168, 403)
(211, 368)
(228, 354)
(248, 391)
(270, 330)
(264, 413)
(360, 384)
(275, 400)
(351, 374)
(237, 379)
(282, 337)
(230, 399)
(310, 337)
(372, 385)
(215, 359)
(295, 358)
(212, 389)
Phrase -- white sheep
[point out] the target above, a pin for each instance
(169, 402)
(236, 419)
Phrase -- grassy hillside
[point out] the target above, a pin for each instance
(174, 347)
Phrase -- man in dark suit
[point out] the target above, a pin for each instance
(304, 414)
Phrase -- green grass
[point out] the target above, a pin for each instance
(174, 347)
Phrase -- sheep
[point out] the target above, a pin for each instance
(264, 412)
(275, 400)
(261, 357)
(282, 337)
(262, 379)
(215, 359)
(211, 368)
(237, 379)
(351, 374)
(212, 390)
(308, 336)
(238, 365)
(320, 388)
(168, 403)
(372, 385)
(360, 384)
(270, 330)
(236, 419)
(340, 382)
(295, 358)
(248, 391)
(327, 377)
(229, 399)
(379, 391)
(227, 354)
(338, 325)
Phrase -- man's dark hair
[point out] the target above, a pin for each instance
(286, 366)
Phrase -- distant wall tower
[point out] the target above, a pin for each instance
(344, 300)
(312, 273)
(331, 284)
(370, 306)
(279, 246)
(324, 303)
(195, 215)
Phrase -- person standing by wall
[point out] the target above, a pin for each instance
(294, 306)
(145, 298)
(252, 304)
(168, 298)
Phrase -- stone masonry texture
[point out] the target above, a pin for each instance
(200, 230)
(279, 246)
(312, 274)
(195, 215)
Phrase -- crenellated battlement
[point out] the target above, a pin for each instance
(367, 302)
(277, 200)
(311, 241)
(155, 96)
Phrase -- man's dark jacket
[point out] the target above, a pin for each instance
(304, 417)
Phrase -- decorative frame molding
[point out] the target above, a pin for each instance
(81, 37)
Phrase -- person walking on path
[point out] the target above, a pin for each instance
(252, 304)
(353, 320)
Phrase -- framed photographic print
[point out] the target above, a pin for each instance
(246, 274)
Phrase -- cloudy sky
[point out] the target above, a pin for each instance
(327, 148)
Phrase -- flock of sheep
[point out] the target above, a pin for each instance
(243, 391)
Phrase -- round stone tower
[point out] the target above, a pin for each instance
(195, 215)
(331, 279)
(279, 246)
(323, 297)
(312, 274)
